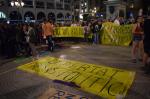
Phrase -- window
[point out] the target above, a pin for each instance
(59, 6)
(28, 4)
(67, 1)
(41, 16)
(39, 4)
(67, 7)
(2, 15)
(60, 16)
(77, 6)
(1, 3)
(50, 5)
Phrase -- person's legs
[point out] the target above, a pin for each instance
(145, 58)
(50, 43)
(33, 50)
(141, 50)
(146, 54)
(147, 66)
(134, 50)
(94, 38)
(27, 49)
(97, 38)
(86, 37)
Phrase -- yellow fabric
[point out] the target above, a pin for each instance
(112, 34)
(97, 79)
(69, 32)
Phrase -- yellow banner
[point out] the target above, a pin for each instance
(69, 32)
(116, 35)
(97, 79)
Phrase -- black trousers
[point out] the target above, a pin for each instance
(50, 43)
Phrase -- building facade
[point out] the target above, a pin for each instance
(76, 9)
(56, 10)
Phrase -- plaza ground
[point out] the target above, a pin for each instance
(16, 84)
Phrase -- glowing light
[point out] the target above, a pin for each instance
(8, 22)
(22, 3)
(75, 47)
(81, 16)
(63, 56)
(12, 3)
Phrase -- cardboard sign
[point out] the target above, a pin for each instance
(97, 79)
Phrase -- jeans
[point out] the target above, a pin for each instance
(96, 38)
(86, 35)
(50, 43)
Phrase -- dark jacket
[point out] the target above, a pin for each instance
(96, 28)
(32, 35)
(147, 30)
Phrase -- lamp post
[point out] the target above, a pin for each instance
(18, 4)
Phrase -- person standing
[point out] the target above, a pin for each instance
(86, 31)
(117, 21)
(48, 29)
(26, 41)
(96, 27)
(146, 60)
(32, 40)
(137, 39)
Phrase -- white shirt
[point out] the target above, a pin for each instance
(117, 22)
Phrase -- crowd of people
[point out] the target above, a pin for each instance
(14, 39)
(21, 39)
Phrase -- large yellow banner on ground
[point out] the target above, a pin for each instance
(119, 35)
(97, 79)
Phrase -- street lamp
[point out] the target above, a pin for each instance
(18, 4)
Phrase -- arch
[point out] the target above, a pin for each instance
(68, 16)
(60, 16)
(41, 16)
(2, 15)
(29, 15)
(51, 16)
(15, 15)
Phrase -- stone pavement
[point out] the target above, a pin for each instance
(15, 84)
